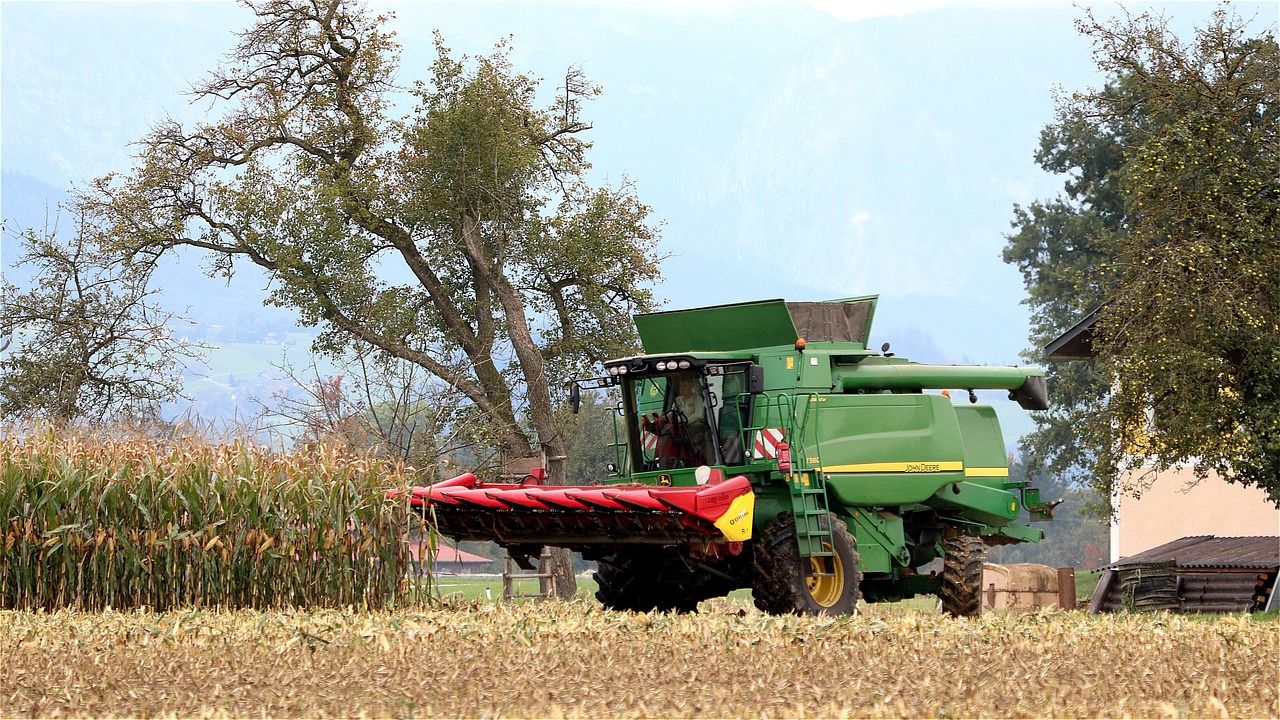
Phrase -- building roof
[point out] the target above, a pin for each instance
(446, 554)
(1209, 551)
(1076, 343)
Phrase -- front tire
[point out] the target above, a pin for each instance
(961, 593)
(782, 584)
(648, 581)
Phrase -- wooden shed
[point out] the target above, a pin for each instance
(1214, 574)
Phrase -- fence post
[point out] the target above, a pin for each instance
(544, 571)
(1067, 588)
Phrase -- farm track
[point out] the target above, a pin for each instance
(552, 659)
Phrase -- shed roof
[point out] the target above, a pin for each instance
(1205, 551)
(1076, 343)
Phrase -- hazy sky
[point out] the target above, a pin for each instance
(799, 150)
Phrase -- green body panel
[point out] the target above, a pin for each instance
(878, 489)
(871, 440)
(881, 540)
(725, 327)
(980, 503)
(753, 325)
(980, 432)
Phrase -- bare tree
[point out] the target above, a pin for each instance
(386, 406)
(90, 340)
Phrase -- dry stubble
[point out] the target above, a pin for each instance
(574, 660)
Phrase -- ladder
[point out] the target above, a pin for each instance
(809, 488)
(809, 507)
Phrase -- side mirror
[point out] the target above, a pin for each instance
(755, 379)
(575, 398)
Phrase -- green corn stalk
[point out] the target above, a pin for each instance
(90, 524)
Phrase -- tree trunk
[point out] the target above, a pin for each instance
(537, 390)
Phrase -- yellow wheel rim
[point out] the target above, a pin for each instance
(825, 589)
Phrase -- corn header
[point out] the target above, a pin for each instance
(764, 445)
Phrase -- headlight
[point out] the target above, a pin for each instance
(622, 369)
(661, 366)
(684, 364)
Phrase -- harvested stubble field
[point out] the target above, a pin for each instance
(555, 659)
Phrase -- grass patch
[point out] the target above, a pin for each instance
(1086, 583)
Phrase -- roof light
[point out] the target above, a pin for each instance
(622, 369)
(684, 364)
(661, 365)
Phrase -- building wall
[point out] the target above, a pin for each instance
(1168, 510)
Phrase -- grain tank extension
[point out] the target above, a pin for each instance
(763, 445)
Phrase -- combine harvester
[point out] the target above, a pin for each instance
(763, 445)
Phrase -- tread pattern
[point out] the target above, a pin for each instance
(961, 593)
(778, 581)
(648, 581)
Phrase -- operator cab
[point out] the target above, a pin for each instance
(684, 412)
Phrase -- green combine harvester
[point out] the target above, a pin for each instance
(763, 445)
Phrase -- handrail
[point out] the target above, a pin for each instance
(810, 407)
(620, 447)
(793, 422)
(781, 403)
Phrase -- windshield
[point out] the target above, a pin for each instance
(686, 419)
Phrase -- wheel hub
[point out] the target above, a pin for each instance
(825, 586)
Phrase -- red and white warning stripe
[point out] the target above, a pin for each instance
(648, 442)
(767, 441)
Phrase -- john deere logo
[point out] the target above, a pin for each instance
(664, 479)
(923, 467)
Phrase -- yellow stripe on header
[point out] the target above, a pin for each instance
(987, 472)
(920, 466)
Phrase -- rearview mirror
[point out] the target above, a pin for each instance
(755, 379)
(575, 398)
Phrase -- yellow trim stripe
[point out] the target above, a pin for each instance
(986, 472)
(919, 466)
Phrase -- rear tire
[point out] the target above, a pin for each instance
(648, 581)
(781, 584)
(961, 593)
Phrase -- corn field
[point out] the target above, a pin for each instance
(555, 659)
(92, 523)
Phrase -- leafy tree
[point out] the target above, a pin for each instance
(590, 434)
(89, 339)
(1170, 225)
(1061, 248)
(461, 237)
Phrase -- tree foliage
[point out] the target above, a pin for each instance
(1169, 224)
(462, 237)
(89, 339)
